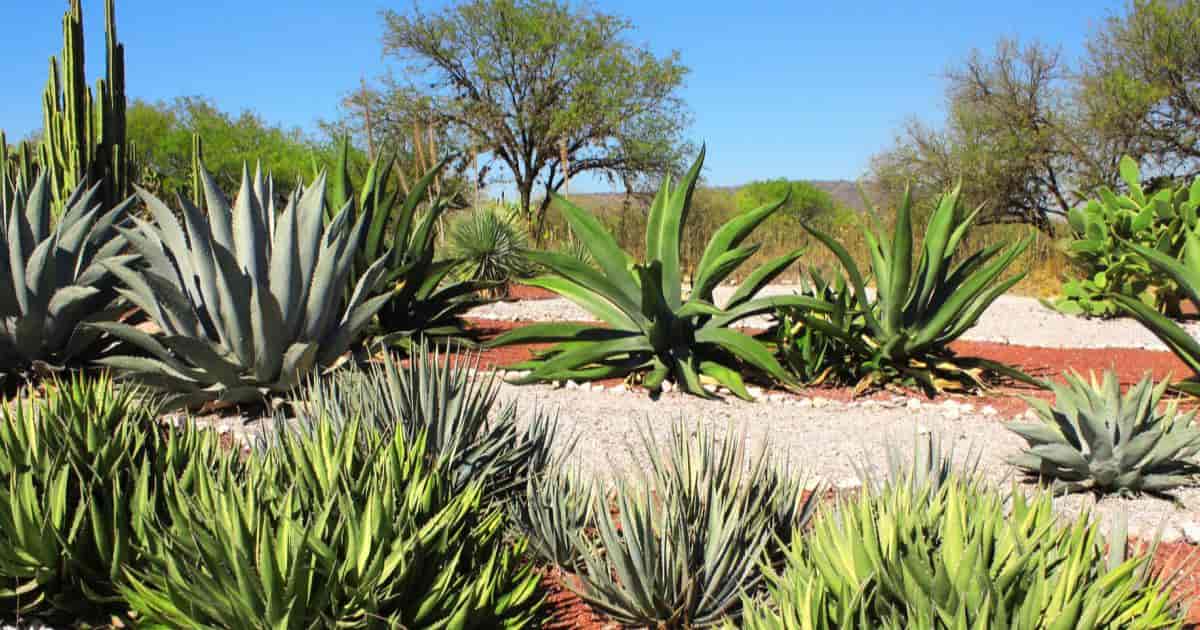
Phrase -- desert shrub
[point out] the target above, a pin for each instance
(921, 305)
(686, 539)
(472, 437)
(1099, 246)
(1094, 438)
(651, 331)
(911, 553)
(553, 512)
(491, 243)
(334, 524)
(811, 353)
(83, 472)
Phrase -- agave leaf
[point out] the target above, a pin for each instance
(603, 247)
(730, 236)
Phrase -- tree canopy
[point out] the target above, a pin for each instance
(544, 89)
(805, 201)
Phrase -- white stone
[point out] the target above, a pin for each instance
(619, 388)
(819, 402)
(922, 430)
(777, 398)
(1191, 531)
(668, 387)
(989, 410)
(1171, 535)
(572, 385)
(951, 413)
(597, 387)
(913, 403)
(755, 392)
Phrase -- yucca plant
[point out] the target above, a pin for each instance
(83, 471)
(424, 301)
(333, 525)
(53, 278)
(651, 331)
(811, 354)
(473, 438)
(960, 555)
(1186, 274)
(492, 245)
(918, 309)
(1095, 439)
(686, 539)
(247, 300)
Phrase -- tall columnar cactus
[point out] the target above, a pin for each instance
(84, 132)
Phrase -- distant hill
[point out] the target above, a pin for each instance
(843, 191)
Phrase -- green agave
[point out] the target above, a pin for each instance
(1185, 273)
(651, 327)
(553, 513)
(423, 300)
(1093, 438)
(333, 526)
(53, 279)
(247, 300)
(83, 471)
(687, 538)
(812, 355)
(918, 309)
(959, 554)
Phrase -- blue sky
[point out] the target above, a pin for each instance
(792, 89)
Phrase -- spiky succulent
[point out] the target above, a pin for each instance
(472, 437)
(52, 279)
(423, 300)
(553, 512)
(811, 354)
(960, 554)
(247, 301)
(917, 310)
(687, 539)
(1094, 438)
(492, 244)
(651, 330)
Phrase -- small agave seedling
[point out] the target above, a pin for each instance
(1093, 438)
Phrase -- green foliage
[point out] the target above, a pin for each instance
(248, 300)
(1185, 273)
(449, 401)
(805, 202)
(552, 514)
(687, 538)
(333, 525)
(1095, 439)
(83, 472)
(84, 132)
(810, 353)
(650, 326)
(949, 552)
(492, 244)
(1101, 232)
(550, 89)
(161, 135)
(919, 309)
(53, 279)
(421, 302)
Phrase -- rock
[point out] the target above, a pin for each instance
(668, 387)
(710, 388)
(619, 388)
(967, 408)
(1171, 535)
(515, 374)
(951, 413)
(572, 385)
(1191, 532)
(912, 403)
(755, 392)
(777, 398)
(597, 387)
(989, 410)
(804, 402)
(923, 430)
(819, 402)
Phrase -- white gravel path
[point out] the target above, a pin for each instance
(1011, 319)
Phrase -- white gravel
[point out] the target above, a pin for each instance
(1011, 319)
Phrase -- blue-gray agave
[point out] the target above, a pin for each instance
(54, 278)
(247, 300)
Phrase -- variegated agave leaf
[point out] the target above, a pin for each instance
(53, 278)
(247, 299)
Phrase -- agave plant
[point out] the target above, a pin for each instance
(1093, 438)
(1186, 273)
(651, 330)
(917, 310)
(492, 245)
(960, 554)
(333, 526)
(54, 279)
(473, 438)
(553, 513)
(247, 301)
(687, 538)
(82, 472)
(813, 356)
(423, 302)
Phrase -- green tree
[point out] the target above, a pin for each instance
(546, 89)
(806, 200)
(161, 134)
(1140, 84)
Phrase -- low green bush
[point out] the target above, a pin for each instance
(956, 553)
(809, 352)
(491, 243)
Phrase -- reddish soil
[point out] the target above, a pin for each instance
(522, 292)
(564, 610)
